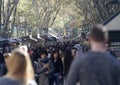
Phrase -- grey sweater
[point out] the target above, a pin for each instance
(94, 68)
(9, 81)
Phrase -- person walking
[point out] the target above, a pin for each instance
(45, 68)
(96, 67)
(20, 71)
(58, 68)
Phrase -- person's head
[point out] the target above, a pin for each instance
(107, 47)
(98, 34)
(74, 52)
(68, 53)
(43, 54)
(55, 54)
(19, 65)
(6, 56)
(24, 47)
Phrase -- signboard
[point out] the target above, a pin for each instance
(114, 39)
(115, 47)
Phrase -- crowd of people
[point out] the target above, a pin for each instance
(50, 63)
(65, 64)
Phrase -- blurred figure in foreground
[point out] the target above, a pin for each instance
(20, 71)
(96, 67)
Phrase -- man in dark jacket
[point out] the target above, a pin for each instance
(95, 67)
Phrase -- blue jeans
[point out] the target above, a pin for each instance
(57, 80)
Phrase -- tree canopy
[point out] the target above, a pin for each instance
(43, 14)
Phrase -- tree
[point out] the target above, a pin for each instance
(96, 11)
(11, 5)
(46, 11)
(0, 13)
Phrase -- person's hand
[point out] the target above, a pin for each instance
(60, 77)
(46, 72)
(45, 66)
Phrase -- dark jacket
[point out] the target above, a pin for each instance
(67, 61)
(113, 54)
(58, 66)
(3, 69)
(95, 68)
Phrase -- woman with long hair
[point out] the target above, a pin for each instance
(20, 70)
(58, 67)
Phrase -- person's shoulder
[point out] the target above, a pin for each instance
(79, 59)
(90, 56)
(8, 81)
(83, 56)
(31, 82)
(3, 80)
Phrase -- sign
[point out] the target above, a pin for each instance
(115, 47)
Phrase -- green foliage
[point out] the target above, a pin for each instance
(34, 12)
(26, 11)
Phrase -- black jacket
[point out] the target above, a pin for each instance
(3, 69)
(58, 66)
(67, 61)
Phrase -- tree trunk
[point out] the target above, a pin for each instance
(103, 9)
(13, 23)
(90, 10)
(98, 10)
(3, 11)
(0, 14)
(54, 18)
(10, 10)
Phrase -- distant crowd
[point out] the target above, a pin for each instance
(68, 63)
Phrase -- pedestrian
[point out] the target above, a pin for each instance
(96, 67)
(6, 57)
(109, 51)
(58, 67)
(45, 68)
(68, 58)
(74, 52)
(20, 71)
(67, 61)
